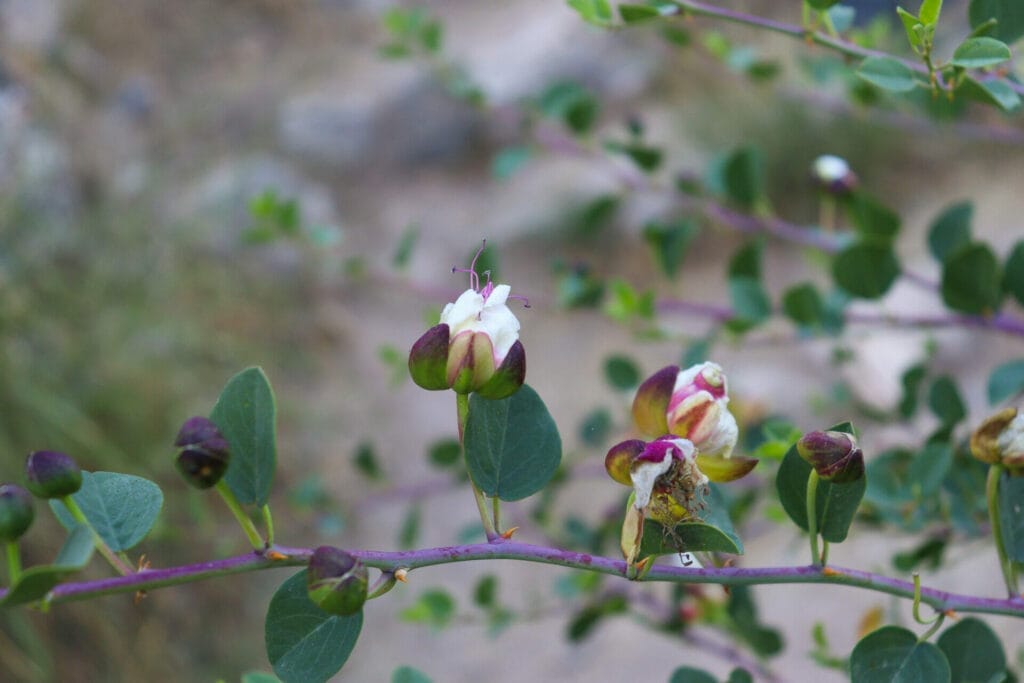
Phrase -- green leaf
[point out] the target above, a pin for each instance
(951, 230)
(1005, 381)
(646, 157)
(888, 74)
(991, 91)
(407, 674)
(406, 245)
(509, 160)
(746, 262)
(974, 651)
(738, 675)
(803, 305)
(743, 176)
(259, 677)
(944, 400)
(1009, 14)
(485, 592)
(874, 220)
(977, 53)
(929, 468)
(836, 503)
(930, 11)
(865, 270)
(688, 674)
(365, 460)
(410, 529)
(1013, 273)
(584, 621)
(572, 103)
(35, 582)
(434, 607)
(1011, 515)
(632, 14)
(512, 445)
(971, 279)
(595, 427)
(669, 241)
(621, 372)
(245, 414)
(444, 453)
(750, 301)
(304, 643)
(911, 381)
(596, 12)
(892, 655)
(121, 507)
(910, 24)
(821, 4)
(765, 641)
(713, 532)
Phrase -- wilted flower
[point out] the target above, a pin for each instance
(474, 347)
(16, 513)
(833, 455)
(204, 459)
(50, 474)
(833, 174)
(336, 581)
(1000, 439)
(691, 403)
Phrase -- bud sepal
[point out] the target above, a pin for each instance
(51, 474)
(16, 512)
(336, 581)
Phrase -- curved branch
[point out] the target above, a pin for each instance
(279, 556)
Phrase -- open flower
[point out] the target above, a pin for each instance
(474, 347)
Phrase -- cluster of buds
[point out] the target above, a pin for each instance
(336, 581)
(833, 455)
(687, 411)
(205, 452)
(1000, 440)
(475, 346)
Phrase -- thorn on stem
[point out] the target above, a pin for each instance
(508, 534)
(402, 574)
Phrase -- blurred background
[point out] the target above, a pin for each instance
(190, 188)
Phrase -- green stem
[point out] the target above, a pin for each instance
(935, 627)
(812, 517)
(109, 555)
(496, 509)
(462, 414)
(917, 605)
(268, 521)
(243, 519)
(383, 585)
(13, 562)
(992, 497)
(824, 552)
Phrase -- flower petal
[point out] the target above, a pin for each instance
(620, 459)
(429, 358)
(509, 376)
(650, 406)
(721, 469)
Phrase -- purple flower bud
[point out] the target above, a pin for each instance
(16, 512)
(205, 457)
(51, 474)
(336, 581)
(833, 455)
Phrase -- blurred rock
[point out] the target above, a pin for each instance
(32, 24)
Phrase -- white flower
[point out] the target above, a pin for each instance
(829, 169)
(485, 311)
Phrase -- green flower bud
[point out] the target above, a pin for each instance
(833, 455)
(51, 474)
(205, 458)
(16, 513)
(336, 581)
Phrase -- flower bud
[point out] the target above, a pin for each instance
(51, 474)
(833, 455)
(692, 404)
(16, 513)
(1000, 439)
(204, 459)
(833, 174)
(336, 581)
(474, 347)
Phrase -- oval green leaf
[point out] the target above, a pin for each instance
(688, 674)
(1011, 516)
(621, 372)
(836, 503)
(991, 91)
(121, 507)
(945, 401)
(1008, 13)
(866, 270)
(304, 643)
(974, 651)
(893, 655)
(246, 413)
(35, 582)
(512, 445)
(803, 304)
(887, 73)
(977, 53)
(407, 674)
(971, 279)
(1005, 381)
(951, 230)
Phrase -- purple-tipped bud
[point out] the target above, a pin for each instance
(833, 175)
(206, 453)
(1000, 439)
(16, 512)
(336, 581)
(50, 474)
(833, 455)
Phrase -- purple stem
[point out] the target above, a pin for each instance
(509, 550)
